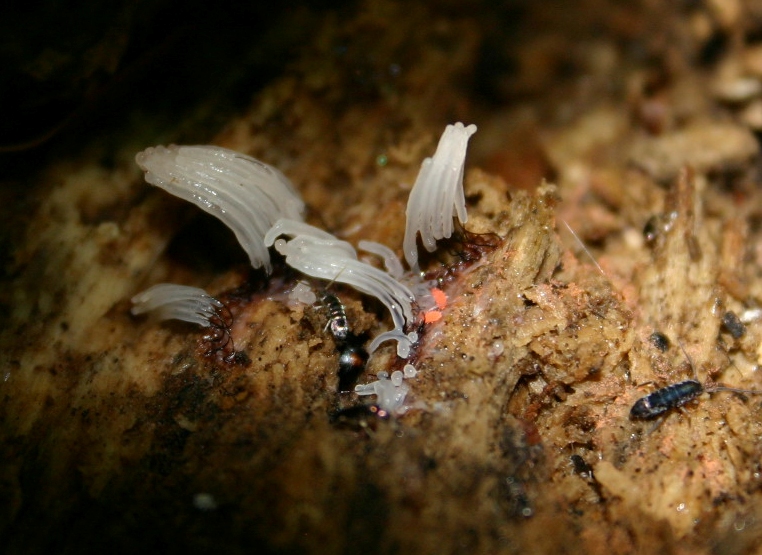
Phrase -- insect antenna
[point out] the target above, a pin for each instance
(584, 247)
(714, 387)
(337, 319)
(330, 283)
(688, 357)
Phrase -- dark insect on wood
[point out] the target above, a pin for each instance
(337, 317)
(657, 226)
(676, 395)
(351, 347)
(734, 326)
(352, 360)
(670, 397)
(660, 341)
(581, 467)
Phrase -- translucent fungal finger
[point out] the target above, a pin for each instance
(167, 301)
(245, 194)
(437, 196)
(404, 341)
(318, 254)
(391, 262)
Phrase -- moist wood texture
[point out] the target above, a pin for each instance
(118, 433)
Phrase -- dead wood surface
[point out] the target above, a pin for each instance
(607, 120)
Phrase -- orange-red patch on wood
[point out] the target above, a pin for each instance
(439, 297)
(432, 316)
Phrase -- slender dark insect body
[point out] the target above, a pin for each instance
(676, 395)
(337, 317)
(352, 353)
(671, 397)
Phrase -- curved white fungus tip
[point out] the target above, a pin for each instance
(403, 342)
(391, 262)
(410, 371)
(245, 194)
(437, 195)
(167, 301)
(319, 254)
(293, 228)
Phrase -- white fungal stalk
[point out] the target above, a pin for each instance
(391, 262)
(321, 255)
(167, 301)
(247, 195)
(437, 196)
(390, 393)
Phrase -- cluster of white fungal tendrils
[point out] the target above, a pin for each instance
(437, 195)
(260, 204)
(247, 195)
(390, 391)
(319, 254)
(167, 301)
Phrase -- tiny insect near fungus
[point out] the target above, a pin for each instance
(319, 254)
(670, 397)
(352, 353)
(337, 317)
(435, 314)
(676, 395)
